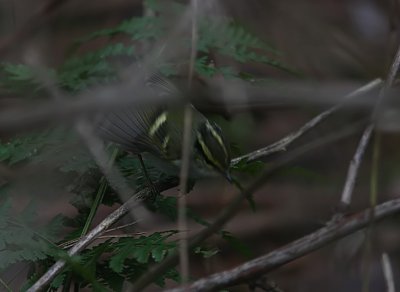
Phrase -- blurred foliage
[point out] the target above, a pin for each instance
(21, 239)
(111, 262)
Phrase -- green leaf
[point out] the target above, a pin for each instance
(21, 78)
(79, 73)
(206, 253)
(167, 206)
(58, 281)
(253, 168)
(5, 152)
(90, 258)
(117, 263)
(141, 255)
(252, 203)
(138, 28)
(203, 67)
(18, 240)
(237, 244)
(233, 40)
(29, 146)
(54, 227)
(158, 253)
(141, 249)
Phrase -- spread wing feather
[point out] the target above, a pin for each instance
(130, 127)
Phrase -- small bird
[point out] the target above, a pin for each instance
(158, 130)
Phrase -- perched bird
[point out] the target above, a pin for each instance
(158, 131)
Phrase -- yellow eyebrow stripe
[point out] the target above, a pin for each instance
(165, 143)
(207, 151)
(217, 137)
(160, 120)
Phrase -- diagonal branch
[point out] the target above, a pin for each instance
(282, 144)
(292, 251)
(388, 272)
(93, 234)
(366, 136)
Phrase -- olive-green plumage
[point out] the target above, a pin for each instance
(158, 130)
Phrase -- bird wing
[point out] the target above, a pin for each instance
(140, 128)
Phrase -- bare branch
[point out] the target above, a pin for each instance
(94, 233)
(388, 273)
(186, 153)
(355, 165)
(81, 244)
(359, 154)
(292, 251)
(282, 144)
(5, 286)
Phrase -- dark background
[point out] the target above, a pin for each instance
(332, 42)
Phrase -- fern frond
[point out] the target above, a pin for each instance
(141, 249)
(23, 147)
(79, 73)
(138, 28)
(21, 242)
(230, 39)
(20, 78)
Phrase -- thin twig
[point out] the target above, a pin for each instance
(122, 226)
(292, 251)
(69, 243)
(81, 244)
(182, 220)
(5, 286)
(354, 166)
(186, 153)
(352, 172)
(93, 234)
(388, 273)
(282, 144)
